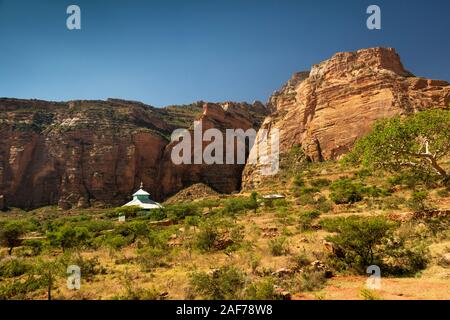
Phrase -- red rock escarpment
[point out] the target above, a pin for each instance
(327, 109)
(84, 153)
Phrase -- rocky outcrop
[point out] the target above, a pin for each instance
(95, 153)
(224, 178)
(327, 109)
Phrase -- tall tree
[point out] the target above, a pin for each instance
(11, 232)
(417, 142)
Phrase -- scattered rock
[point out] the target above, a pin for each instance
(223, 243)
(269, 232)
(332, 248)
(83, 203)
(320, 266)
(445, 260)
(282, 272)
(285, 295)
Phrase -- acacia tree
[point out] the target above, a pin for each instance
(48, 271)
(418, 142)
(11, 232)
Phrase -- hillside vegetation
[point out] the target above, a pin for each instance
(337, 219)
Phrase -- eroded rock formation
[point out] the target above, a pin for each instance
(327, 109)
(88, 153)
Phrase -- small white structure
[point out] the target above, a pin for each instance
(274, 196)
(141, 198)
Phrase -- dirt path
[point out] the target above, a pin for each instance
(349, 288)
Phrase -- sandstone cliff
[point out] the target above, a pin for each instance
(327, 109)
(89, 153)
(84, 153)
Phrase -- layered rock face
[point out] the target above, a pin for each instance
(327, 109)
(84, 153)
(89, 153)
(223, 177)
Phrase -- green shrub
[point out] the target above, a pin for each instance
(159, 238)
(443, 193)
(306, 190)
(280, 203)
(70, 237)
(311, 280)
(138, 229)
(115, 241)
(359, 239)
(278, 246)
(238, 205)
(136, 293)
(151, 257)
(306, 199)
(419, 201)
(209, 203)
(367, 294)
(323, 205)
(375, 192)
(36, 246)
(132, 292)
(13, 268)
(192, 221)
(11, 232)
(254, 262)
(298, 181)
(89, 266)
(391, 203)
(412, 180)
(300, 261)
(404, 253)
(19, 290)
(363, 173)
(345, 191)
(96, 226)
(155, 215)
(320, 183)
(207, 236)
(438, 227)
(307, 218)
(128, 211)
(180, 211)
(225, 283)
(262, 290)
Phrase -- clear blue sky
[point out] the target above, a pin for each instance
(172, 52)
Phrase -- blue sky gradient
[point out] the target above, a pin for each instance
(175, 52)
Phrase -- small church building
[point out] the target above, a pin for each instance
(141, 198)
